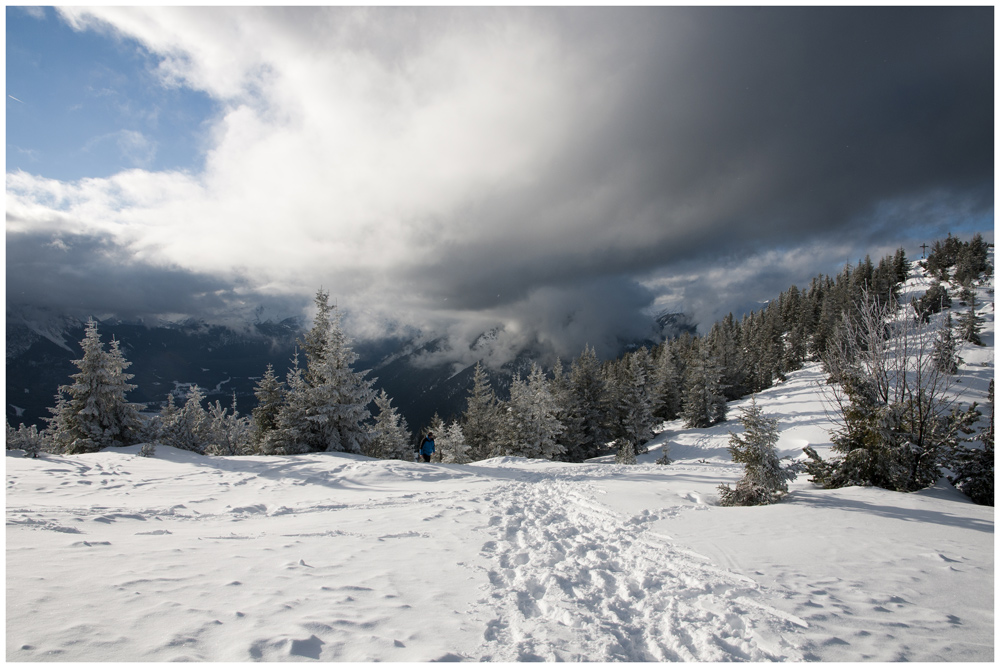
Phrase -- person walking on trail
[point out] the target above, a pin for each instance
(427, 447)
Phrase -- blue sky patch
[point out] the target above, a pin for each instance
(87, 104)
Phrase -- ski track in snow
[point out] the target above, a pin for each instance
(573, 580)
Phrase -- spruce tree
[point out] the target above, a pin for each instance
(636, 402)
(189, 428)
(970, 324)
(480, 419)
(390, 437)
(287, 436)
(452, 445)
(270, 396)
(531, 428)
(704, 404)
(228, 433)
(589, 393)
(667, 385)
(327, 409)
(92, 412)
(764, 480)
(972, 468)
(945, 352)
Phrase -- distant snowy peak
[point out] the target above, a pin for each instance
(673, 324)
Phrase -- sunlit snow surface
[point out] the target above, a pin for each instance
(115, 557)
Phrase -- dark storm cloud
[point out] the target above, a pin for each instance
(740, 129)
(89, 275)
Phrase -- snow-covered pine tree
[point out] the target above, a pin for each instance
(390, 438)
(480, 419)
(636, 402)
(704, 404)
(270, 393)
(764, 480)
(972, 468)
(945, 352)
(970, 324)
(452, 445)
(589, 396)
(328, 410)
(286, 438)
(532, 427)
(228, 433)
(568, 412)
(666, 384)
(92, 412)
(189, 428)
(626, 452)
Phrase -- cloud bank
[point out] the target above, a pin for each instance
(561, 171)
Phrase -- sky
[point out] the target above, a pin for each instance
(562, 172)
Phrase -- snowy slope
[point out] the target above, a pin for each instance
(115, 557)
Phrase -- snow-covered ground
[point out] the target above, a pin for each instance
(116, 557)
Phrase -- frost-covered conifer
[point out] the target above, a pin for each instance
(626, 452)
(667, 385)
(636, 402)
(92, 412)
(287, 436)
(480, 422)
(764, 480)
(586, 385)
(390, 437)
(327, 409)
(970, 324)
(532, 428)
(270, 393)
(189, 428)
(573, 437)
(973, 467)
(945, 352)
(452, 446)
(704, 403)
(228, 433)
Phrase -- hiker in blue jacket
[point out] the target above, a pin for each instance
(427, 447)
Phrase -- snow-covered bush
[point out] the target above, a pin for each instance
(764, 479)
(29, 439)
(626, 452)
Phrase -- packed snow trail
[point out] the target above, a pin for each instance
(572, 580)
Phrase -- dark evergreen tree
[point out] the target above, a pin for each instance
(972, 468)
(945, 353)
(970, 324)
(589, 397)
(270, 397)
(704, 403)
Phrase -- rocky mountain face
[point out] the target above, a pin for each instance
(226, 361)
